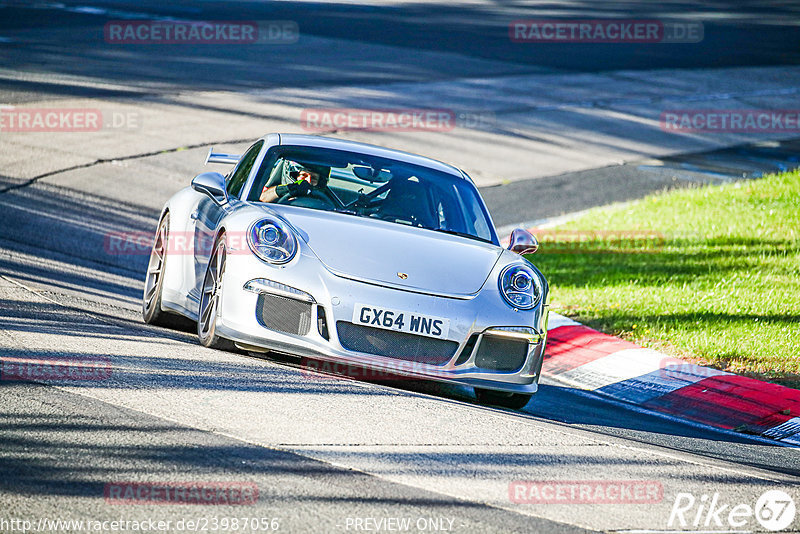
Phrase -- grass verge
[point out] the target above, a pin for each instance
(709, 274)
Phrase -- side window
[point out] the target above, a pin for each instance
(239, 176)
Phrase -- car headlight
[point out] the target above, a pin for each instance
(520, 286)
(272, 241)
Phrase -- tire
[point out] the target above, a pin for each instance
(209, 300)
(514, 401)
(154, 282)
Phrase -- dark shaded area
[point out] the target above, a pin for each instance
(540, 198)
(57, 444)
(736, 34)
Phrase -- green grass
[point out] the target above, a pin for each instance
(707, 274)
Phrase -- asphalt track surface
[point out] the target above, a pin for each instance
(322, 450)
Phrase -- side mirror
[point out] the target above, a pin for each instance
(211, 184)
(523, 242)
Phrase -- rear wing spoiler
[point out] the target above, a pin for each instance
(218, 157)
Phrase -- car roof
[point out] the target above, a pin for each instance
(370, 150)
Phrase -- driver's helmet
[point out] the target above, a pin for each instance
(292, 169)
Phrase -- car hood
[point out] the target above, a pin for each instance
(394, 255)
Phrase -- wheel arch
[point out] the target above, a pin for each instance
(179, 268)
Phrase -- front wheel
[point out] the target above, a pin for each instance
(209, 300)
(514, 401)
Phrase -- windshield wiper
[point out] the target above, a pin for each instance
(461, 234)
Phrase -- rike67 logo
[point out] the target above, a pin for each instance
(774, 510)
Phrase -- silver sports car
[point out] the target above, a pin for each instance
(351, 253)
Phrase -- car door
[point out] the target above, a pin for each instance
(209, 213)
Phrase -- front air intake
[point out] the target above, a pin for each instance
(283, 314)
(501, 353)
(399, 345)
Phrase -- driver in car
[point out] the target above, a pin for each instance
(307, 179)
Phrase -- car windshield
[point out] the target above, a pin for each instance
(366, 186)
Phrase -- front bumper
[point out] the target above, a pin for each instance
(475, 323)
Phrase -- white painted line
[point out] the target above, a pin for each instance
(634, 407)
(89, 10)
(668, 378)
(617, 367)
(787, 431)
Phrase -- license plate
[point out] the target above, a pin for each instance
(401, 321)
